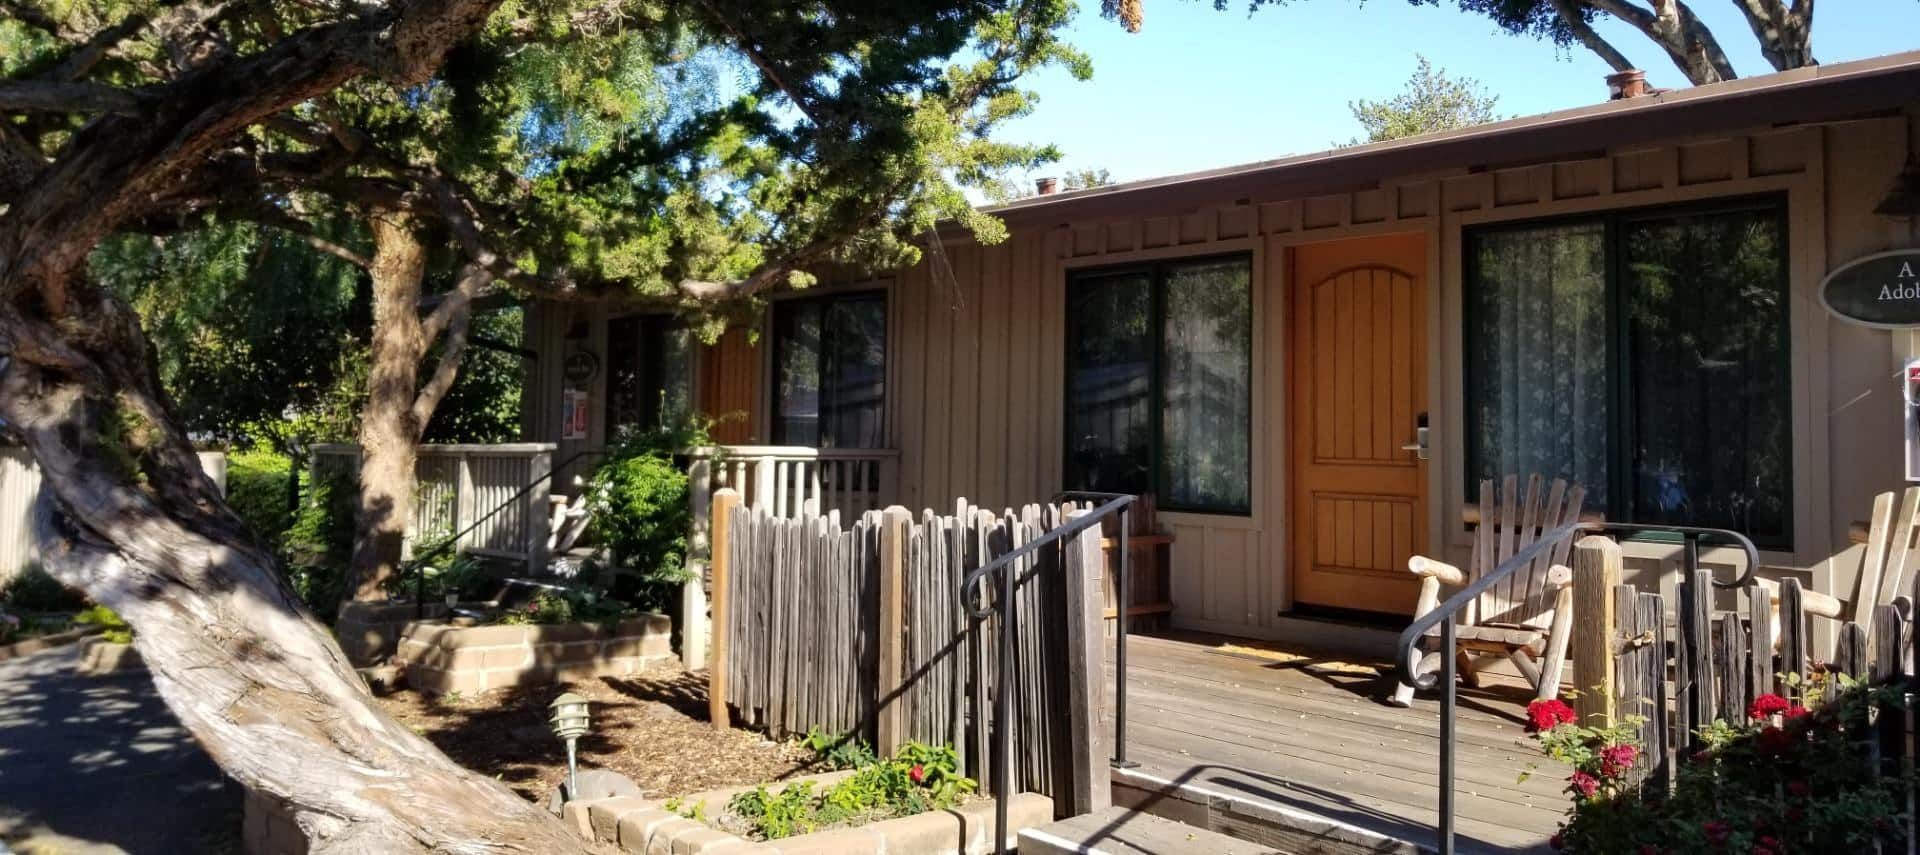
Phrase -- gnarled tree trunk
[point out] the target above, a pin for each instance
(388, 431)
(257, 680)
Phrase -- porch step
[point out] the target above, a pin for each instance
(1121, 831)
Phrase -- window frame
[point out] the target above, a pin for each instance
(649, 325)
(1156, 271)
(775, 428)
(1618, 358)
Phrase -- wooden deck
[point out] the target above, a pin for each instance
(1283, 732)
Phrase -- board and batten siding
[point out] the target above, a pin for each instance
(978, 360)
(977, 342)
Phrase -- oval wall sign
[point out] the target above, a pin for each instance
(580, 367)
(1878, 291)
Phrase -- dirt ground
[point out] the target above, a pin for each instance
(651, 727)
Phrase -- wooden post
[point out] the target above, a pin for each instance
(694, 625)
(1596, 571)
(539, 521)
(1086, 672)
(890, 725)
(724, 502)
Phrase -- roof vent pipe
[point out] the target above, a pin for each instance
(1631, 83)
(1045, 186)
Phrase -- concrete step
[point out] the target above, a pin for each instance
(1120, 831)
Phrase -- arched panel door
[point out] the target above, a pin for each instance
(1359, 391)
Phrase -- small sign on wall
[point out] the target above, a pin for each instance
(1910, 381)
(1877, 291)
(573, 414)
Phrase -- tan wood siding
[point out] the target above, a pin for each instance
(729, 390)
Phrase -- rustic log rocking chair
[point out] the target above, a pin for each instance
(1524, 618)
(1882, 571)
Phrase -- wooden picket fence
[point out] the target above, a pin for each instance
(1679, 671)
(858, 629)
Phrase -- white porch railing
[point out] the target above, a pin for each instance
(474, 490)
(789, 481)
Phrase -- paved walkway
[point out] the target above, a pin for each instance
(99, 765)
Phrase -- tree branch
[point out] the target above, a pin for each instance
(59, 96)
(1576, 23)
(458, 317)
(96, 48)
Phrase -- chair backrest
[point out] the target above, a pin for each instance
(1511, 521)
(1889, 557)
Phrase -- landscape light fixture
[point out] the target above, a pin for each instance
(570, 722)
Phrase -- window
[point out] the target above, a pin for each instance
(1159, 381)
(1642, 355)
(649, 372)
(830, 371)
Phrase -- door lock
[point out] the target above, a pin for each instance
(1420, 446)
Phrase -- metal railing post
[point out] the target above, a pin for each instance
(1003, 711)
(1447, 709)
(1123, 600)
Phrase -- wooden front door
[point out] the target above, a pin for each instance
(1358, 345)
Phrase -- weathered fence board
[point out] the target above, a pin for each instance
(856, 628)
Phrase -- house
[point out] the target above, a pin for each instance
(1311, 362)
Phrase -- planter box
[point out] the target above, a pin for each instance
(101, 658)
(441, 657)
(47, 642)
(646, 826)
(369, 633)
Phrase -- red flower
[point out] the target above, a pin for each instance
(1617, 759)
(1717, 832)
(918, 773)
(1557, 841)
(1774, 742)
(1584, 784)
(1799, 788)
(1794, 814)
(1649, 849)
(1793, 712)
(1766, 844)
(1547, 715)
(1767, 705)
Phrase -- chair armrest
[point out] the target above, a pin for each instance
(1816, 603)
(1441, 570)
(1559, 576)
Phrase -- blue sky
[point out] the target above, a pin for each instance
(1198, 88)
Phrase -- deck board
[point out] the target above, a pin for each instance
(1310, 733)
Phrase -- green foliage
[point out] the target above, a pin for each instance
(117, 630)
(317, 547)
(257, 484)
(1790, 778)
(572, 605)
(918, 779)
(1431, 102)
(641, 510)
(33, 590)
(839, 752)
(464, 576)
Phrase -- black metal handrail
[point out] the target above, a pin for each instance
(1443, 615)
(972, 595)
(418, 563)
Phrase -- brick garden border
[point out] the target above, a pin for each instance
(440, 657)
(646, 827)
(47, 642)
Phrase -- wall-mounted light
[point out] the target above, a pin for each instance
(570, 721)
(1903, 198)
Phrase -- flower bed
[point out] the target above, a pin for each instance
(1790, 778)
(914, 803)
(442, 657)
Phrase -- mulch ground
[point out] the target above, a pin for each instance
(651, 727)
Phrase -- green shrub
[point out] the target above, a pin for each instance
(640, 512)
(257, 484)
(32, 590)
(570, 606)
(319, 543)
(117, 630)
(919, 778)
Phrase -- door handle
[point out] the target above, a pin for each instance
(1421, 446)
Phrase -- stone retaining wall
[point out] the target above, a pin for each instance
(370, 632)
(438, 657)
(267, 828)
(646, 826)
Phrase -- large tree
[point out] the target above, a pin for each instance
(126, 117)
(1430, 102)
(1783, 28)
